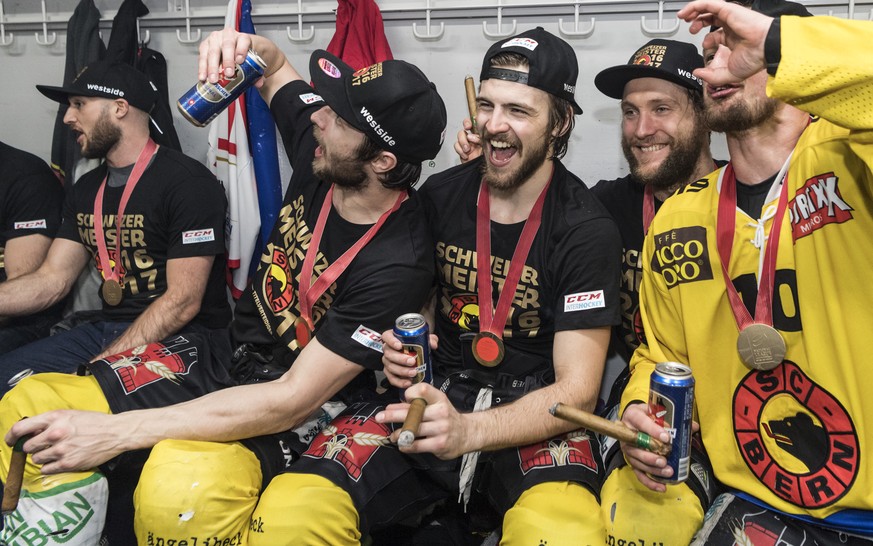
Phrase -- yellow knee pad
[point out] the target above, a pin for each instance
(556, 514)
(199, 492)
(632, 513)
(304, 510)
(69, 506)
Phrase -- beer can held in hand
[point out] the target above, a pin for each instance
(412, 331)
(203, 102)
(671, 404)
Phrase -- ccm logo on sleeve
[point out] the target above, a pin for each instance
(197, 236)
(31, 224)
(583, 301)
(309, 98)
(368, 338)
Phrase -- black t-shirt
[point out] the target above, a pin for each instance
(390, 276)
(30, 198)
(177, 210)
(569, 282)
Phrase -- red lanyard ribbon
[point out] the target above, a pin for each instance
(309, 292)
(727, 206)
(494, 320)
(110, 271)
(648, 207)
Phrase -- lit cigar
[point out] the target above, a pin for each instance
(413, 420)
(609, 428)
(12, 487)
(471, 99)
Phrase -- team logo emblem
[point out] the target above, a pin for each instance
(278, 285)
(146, 364)
(351, 441)
(572, 449)
(818, 203)
(795, 436)
(113, 258)
(465, 311)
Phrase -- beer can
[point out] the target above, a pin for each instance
(203, 102)
(411, 329)
(671, 403)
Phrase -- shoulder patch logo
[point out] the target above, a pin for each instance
(795, 437)
(368, 338)
(30, 224)
(583, 301)
(816, 204)
(309, 98)
(681, 256)
(198, 236)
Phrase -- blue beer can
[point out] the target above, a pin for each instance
(411, 329)
(671, 404)
(203, 102)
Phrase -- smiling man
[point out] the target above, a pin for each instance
(541, 248)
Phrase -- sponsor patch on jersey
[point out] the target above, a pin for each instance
(681, 256)
(583, 301)
(526, 43)
(816, 204)
(368, 338)
(309, 98)
(198, 236)
(30, 224)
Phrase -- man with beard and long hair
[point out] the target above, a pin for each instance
(527, 291)
(349, 253)
(666, 144)
(157, 280)
(756, 278)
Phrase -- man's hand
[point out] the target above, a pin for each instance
(645, 462)
(442, 431)
(469, 145)
(738, 47)
(399, 366)
(220, 53)
(68, 441)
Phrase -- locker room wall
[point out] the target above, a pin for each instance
(26, 117)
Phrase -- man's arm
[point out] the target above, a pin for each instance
(186, 283)
(65, 441)
(579, 357)
(47, 285)
(225, 48)
(23, 255)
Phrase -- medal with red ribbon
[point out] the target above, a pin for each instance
(113, 282)
(759, 344)
(309, 292)
(488, 347)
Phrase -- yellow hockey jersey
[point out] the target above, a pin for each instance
(797, 437)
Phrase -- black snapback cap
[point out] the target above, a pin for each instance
(109, 80)
(664, 59)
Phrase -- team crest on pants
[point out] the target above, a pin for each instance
(147, 364)
(351, 440)
(572, 449)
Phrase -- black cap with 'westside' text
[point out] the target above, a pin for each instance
(391, 102)
(664, 59)
(108, 80)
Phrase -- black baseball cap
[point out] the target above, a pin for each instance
(771, 8)
(109, 80)
(552, 64)
(391, 102)
(665, 59)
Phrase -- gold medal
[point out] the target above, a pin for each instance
(488, 349)
(761, 347)
(303, 331)
(112, 292)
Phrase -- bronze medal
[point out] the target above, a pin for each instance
(112, 292)
(488, 349)
(761, 347)
(303, 331)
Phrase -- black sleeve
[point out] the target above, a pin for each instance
(773, 47)
(32, 205)
(196, 212)
(292, 106)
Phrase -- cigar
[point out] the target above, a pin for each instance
(612, 429)
(12, 487)
(471, 99)
(413, 420)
